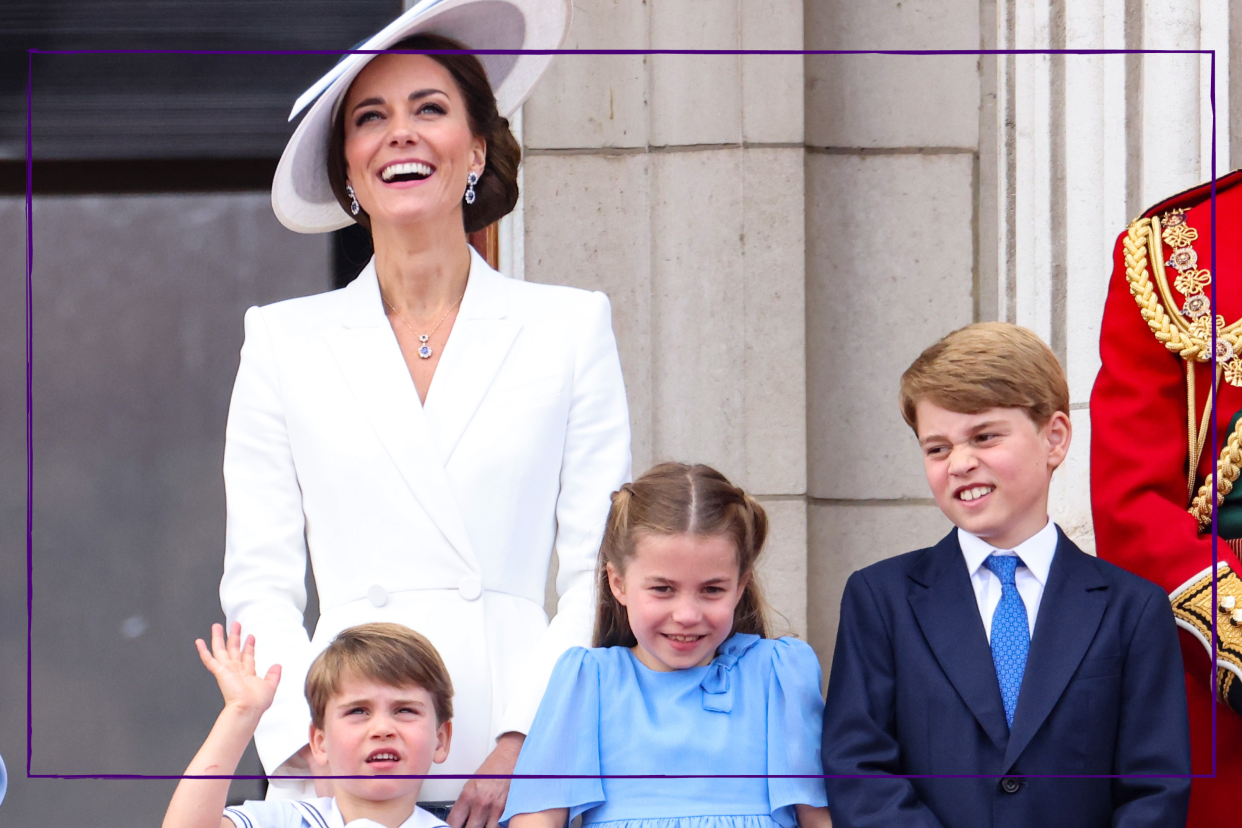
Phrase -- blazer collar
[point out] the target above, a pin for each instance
(944, 605)
(375, 371)
(1070, 611)
(477, 346)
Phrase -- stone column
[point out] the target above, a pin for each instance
(1085, 143)
(892, 195)
(675, 185)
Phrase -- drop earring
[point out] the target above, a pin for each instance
(354, 207)
(471, 180)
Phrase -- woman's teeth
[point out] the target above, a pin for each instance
(976, 492)
(410, 170)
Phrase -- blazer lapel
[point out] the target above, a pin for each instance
(1070, 610)
(476, 347)
(947, 612)
(371, 363)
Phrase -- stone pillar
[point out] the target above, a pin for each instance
(1085, 143)
(675, 185)
(892, 195)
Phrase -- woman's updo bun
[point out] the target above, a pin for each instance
(496, 194)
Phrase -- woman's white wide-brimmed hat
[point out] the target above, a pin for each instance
(301, 194)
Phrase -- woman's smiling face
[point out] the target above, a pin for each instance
(408, 144)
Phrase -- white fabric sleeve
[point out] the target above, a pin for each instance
(265, 556)
(596, 462)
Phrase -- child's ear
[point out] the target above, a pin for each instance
(444, 736)
(317, 745)
(1057, 432)
(616, 583)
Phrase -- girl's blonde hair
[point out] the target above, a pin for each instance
(679, 499)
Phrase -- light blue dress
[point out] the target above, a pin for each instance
(755, 710)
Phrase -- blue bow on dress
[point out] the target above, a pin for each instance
(717, 689)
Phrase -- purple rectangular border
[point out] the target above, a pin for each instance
(30, 389)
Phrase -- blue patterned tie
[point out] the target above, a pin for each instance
(1011, 636)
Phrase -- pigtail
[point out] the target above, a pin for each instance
(751, 522)
(612, 621)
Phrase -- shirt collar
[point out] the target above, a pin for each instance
(1036, 551)
(419, 819)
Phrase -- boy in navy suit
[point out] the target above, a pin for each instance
(1003, 655)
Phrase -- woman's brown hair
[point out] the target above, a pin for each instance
(497, 190)
(680, 499)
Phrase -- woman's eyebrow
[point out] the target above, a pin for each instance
(422, 93)
(367, 102)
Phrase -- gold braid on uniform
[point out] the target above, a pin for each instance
(1193, 609)
(1227, 469)
(1187, 332)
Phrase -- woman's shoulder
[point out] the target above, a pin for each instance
(538, 299)
(299, 317)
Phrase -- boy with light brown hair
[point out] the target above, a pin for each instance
(381, 708)
(967, 674)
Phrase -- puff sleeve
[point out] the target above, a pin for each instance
(563, 740)
(795, 724)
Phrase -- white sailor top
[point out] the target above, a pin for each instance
(314, 813)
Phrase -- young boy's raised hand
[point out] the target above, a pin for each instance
(199, 799)
(233, 666)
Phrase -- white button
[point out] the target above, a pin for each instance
(377, 595)
(470, 587)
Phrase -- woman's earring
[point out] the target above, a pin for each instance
(471, 180)
(354, 207)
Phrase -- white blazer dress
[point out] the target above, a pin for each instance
(441, 516)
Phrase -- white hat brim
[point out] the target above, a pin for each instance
(302, 196)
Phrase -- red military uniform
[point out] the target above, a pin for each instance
(1150, 516)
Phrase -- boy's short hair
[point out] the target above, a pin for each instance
(390, 654)
(986, 365)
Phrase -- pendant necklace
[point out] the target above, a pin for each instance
(424, 350)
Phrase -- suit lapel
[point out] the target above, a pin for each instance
(478, 344)
(947, 612)
(370, 361)
(1070, 610)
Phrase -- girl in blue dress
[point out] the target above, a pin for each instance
(682, 679)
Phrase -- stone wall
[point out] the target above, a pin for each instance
(891, 265)
(676, 185)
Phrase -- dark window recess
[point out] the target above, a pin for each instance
(111, 107)
(351, 250)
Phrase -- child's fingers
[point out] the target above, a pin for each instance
(217, 642)
(234, 641)
(248, 655)
(273, 676)
(205, 655)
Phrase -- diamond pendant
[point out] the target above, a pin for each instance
(424, 350)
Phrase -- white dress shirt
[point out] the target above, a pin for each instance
(1036, 553)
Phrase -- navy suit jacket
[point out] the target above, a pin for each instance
(913, 691)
